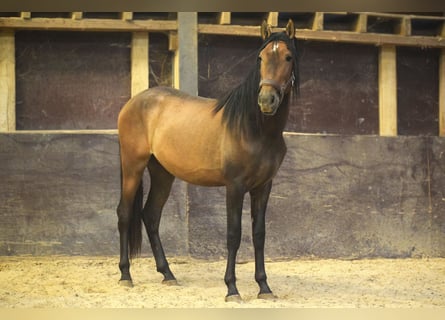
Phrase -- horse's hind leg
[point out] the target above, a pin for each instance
(161, 183)
(132, 171)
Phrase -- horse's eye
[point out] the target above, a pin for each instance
(288, 58)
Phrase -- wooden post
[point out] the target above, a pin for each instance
(388, 91)
(442, 93)
(185, 64)
(7, 81)
(139, 62)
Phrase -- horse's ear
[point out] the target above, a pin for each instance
(265, 30)
(290, 29)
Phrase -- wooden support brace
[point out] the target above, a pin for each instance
(404, 27)
(361, 24)
(442, 93)
(139, 62)
(76, 15)
(7, 81)
(127, 16)
(388, 91)
(173, 40)
(317, 23)
(272, 19)
(224, 18)
(25, 15)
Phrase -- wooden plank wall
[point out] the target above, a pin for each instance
(334, 197)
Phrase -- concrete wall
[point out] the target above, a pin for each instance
(334, 196)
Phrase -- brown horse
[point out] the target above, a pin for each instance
(235, 142)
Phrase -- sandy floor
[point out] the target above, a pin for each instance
(93, 282)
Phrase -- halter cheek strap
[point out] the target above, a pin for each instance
(281, 88)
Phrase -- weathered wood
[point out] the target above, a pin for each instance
(252, 31)
(76, 15)
(7, 80)
(139, 62)
(88, 24)
(361, 24)
(387, 91)
(374, 38)
(25, 15)
(185, 71)
(417, 91)
(224, 18)
(127, 16)
(442, 93)
(77, 84)
(272, 18)
(337, 81)
(327, 35)
(173, 41)
(404, 27)
(317, 23)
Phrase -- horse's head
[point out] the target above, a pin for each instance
(277, 59)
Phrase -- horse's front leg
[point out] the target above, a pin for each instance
(259, 198)
(234, 203)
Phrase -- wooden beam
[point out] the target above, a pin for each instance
(139, 62)
(88, 24)
(387, 91)
(224, 18)
(185, 70)
(328, 35)
(7, 81)
(442, 93)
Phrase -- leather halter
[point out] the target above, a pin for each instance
(281, 88)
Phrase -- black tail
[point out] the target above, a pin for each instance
(135, 231)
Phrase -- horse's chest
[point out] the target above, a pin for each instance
(257, 166)
(264, 168)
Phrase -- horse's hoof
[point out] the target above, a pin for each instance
(267, 296)
(172, 282)
(234, 298)
(126, 283)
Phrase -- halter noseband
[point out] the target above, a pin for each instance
(281, 88)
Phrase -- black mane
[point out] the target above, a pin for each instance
(240, 106)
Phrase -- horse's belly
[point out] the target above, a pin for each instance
(193, 165)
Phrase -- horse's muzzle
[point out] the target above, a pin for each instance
(268, 102)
